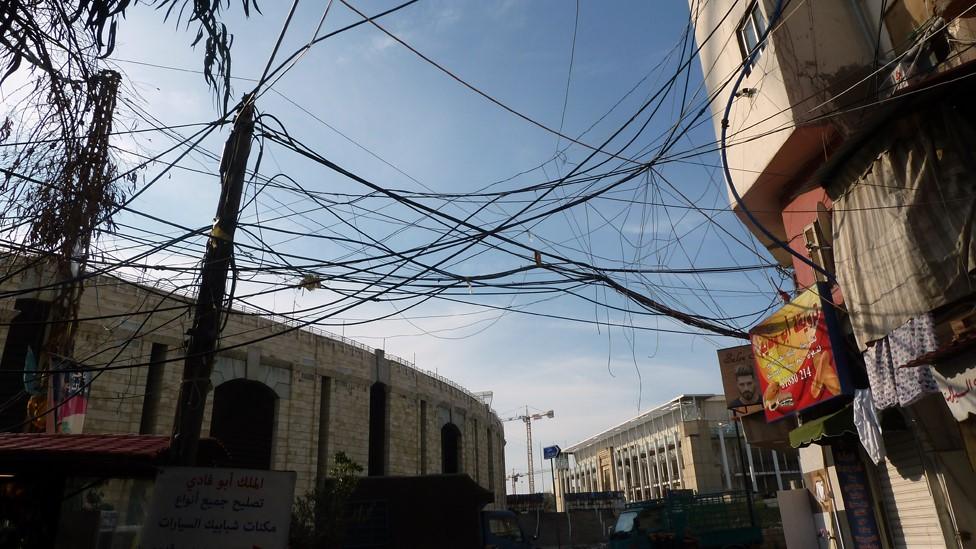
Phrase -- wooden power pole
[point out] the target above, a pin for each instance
(204, 334)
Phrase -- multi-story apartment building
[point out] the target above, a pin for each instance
(847, 129)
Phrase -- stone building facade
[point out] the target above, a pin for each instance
(284, 397)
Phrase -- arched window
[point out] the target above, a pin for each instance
(26, 331)
(377, 430)
(243, 421)
(450, 448)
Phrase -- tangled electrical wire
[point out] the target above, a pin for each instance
(618, 228)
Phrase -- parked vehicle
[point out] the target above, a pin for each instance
(428, 511)
(719, 521)
(501, 530)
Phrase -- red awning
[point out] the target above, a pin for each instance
(146, 446)
(114, 455)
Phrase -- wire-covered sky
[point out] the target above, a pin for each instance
(413, 172)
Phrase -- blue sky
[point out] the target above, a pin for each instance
(451, 140)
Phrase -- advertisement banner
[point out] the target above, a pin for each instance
(795, 359)
(196, 507)
(739, 379)
(71, 391)
(856, 492)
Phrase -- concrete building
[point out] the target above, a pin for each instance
(687, 443)
(849, 140)
(283, 398)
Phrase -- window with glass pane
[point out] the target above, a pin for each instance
(504, 528)
(751, 30)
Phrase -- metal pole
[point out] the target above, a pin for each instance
(648, 464)
(745, 482)
(555, 499)
(666, 464)
(752, 467)
(725, 457)
(207, 313)
(552, 471)
(657, 464)
(625, 467)
(779, 476)
(676, 433)
(528, 445)
(678, 461)
(639, 472)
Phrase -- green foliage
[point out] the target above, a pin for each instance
(59, 172)
(65, 39)
(216, 39)
(318, 518)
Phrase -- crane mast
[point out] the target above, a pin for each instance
(528, 418)
(528, 445)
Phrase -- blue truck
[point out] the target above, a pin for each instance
(707, 521)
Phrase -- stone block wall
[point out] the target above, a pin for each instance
(293, 363)
(701, 458)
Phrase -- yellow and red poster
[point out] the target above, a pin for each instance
(795, 360)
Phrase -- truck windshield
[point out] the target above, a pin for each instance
(504, 527)
(625, 522)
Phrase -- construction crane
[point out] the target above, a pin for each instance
(515, 476)
(528, 418)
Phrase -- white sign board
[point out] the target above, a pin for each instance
(959, 392)
(201, 508)
(561, 462)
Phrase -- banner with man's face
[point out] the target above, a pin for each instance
(739, 379)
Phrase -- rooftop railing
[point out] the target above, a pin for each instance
(245, 309)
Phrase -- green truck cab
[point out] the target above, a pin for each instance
(501, 530)
(720, 521)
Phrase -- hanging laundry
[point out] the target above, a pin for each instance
(868, 426)
(891, 384)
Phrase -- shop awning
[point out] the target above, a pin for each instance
(831, 425)
(95, 455)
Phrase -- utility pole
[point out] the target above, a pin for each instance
(204, 334)
(742, 464)
(87, 187)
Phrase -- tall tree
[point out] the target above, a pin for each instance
(60, 186)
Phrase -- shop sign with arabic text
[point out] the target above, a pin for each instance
(795, 359)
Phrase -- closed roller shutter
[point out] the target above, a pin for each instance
(909, 506)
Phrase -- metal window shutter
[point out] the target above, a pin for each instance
(908, 502)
